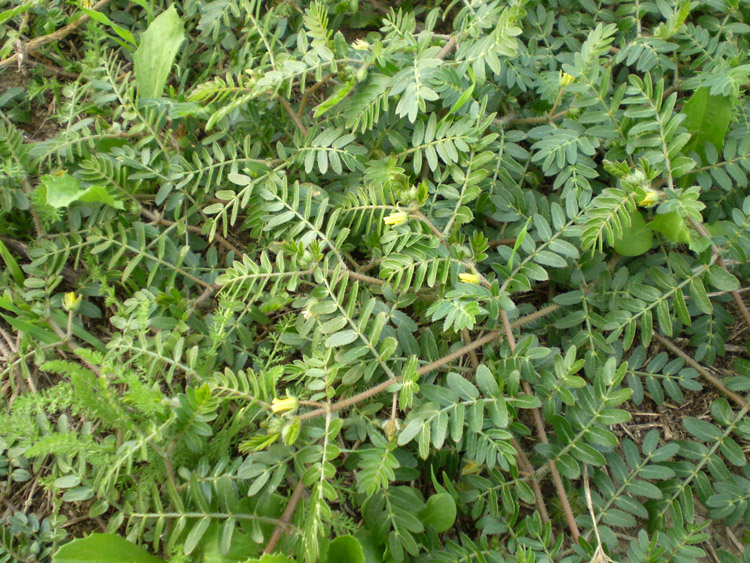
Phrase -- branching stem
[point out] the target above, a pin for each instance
(569, 517)
(448, 358)
(720, 261)
(716, 382)
(286, 517)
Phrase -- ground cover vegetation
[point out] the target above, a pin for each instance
(348, 281)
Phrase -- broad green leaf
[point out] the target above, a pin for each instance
(65, 189)
(345, 549)
(644, 489)
(733, 452)
(463, 388)
(672, 226)
(372, 552)
(707, 120)
(486, 381)
(67, 482)
(526, 402)
(568, 466)
(618, 518)
(61, 190)
(464, 97)
(103, 548)
(156, 53)
(587, 454)
(636, 239)
(698, 293)
(272, 558)
(99, 194)
(196, 534)
(35, 331)
(440, 512)
(410, 431)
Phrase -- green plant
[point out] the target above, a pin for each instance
(327, 280)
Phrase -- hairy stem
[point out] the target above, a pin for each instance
(569, 517)
(381, 387)
(701, 370)
(286, 517)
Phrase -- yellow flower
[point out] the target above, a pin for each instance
(360, 45)
(283, 405)
(649, 199)
(71, 301)
(396, 218)
(566, 79)
(468, 278)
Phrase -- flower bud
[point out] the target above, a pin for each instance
(71, 301)
(290, 431)
(391, 428)
(566, 79)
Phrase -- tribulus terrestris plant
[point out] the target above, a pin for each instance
(344, 281)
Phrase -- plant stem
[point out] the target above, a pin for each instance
(543, 437)
(720, 261)
(293, 115)
(447, 48)
(703, 371)
(286, 517)
(193, 229)
(478, 343)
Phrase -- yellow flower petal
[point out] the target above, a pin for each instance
(396, 218)
(468, 278)
(71, 301)
(360, 45)
(283, 405)
(649, 199)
